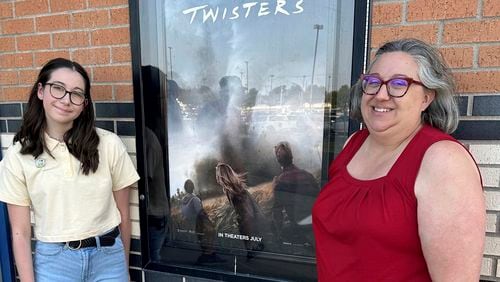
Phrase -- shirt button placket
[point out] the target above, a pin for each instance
(67, 161)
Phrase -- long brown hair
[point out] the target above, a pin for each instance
(81, 139)
(232, 183)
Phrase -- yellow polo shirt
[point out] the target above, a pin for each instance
(67, 204)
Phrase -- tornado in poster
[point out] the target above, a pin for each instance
(248, 86)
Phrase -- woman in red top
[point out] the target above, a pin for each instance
(404, 200)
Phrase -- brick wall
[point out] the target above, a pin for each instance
(94, 33)
(468, 34)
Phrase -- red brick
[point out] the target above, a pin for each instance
(70, 39)
(8, 77)
(118, 73)
(90, 19)
(121, 54)
(124, 92)
(17, 60)
(88, 69)
(92, 56)
(422, 10)
(17, 26)
(28, 76)
(387, 13)
(111, 36)
(458, 57)
(6, 10)
(119, 16)
(107, 3)
(101, 92)
(16, 93)
(7, 44)
(474, 82)
(482, 31)
(66, 5)
(31, 7)
(33, 42)
(43, 57)
(425, 32)
(491, 8)
(49, 23)
(489, 56)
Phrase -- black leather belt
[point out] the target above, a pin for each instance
(105, 240)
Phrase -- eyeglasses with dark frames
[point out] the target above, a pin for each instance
(396, 87)
(58, 91)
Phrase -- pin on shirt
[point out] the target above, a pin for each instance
(39, 162)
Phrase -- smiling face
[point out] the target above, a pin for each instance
(385, 114)
(60, 113)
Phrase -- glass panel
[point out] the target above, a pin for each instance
(245, 104)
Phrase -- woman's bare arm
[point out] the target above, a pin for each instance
(20, 224)
(122, 202)
(451, 213)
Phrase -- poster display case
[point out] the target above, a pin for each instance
(240, 107)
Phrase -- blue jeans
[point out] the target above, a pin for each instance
(55, 262)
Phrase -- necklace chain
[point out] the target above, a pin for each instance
(58, 139)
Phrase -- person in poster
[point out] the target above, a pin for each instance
(248, 214)
(294, 193)
(194, 214)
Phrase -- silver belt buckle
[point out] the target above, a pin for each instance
(74, 249)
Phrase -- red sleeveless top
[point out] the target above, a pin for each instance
(367, 230)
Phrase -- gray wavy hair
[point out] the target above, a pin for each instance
(433, 72)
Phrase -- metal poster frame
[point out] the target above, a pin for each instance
(240, 234)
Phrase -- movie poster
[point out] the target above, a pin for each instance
(249, 86)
